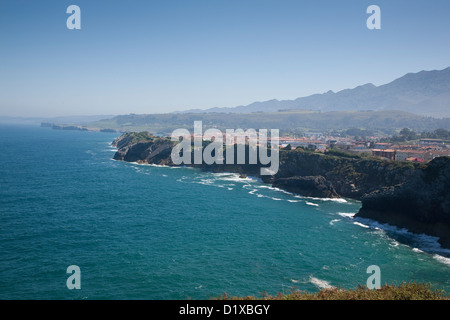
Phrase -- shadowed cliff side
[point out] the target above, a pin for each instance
(421, 204)
(351, 176)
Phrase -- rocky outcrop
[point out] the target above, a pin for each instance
(421, 204)
(153, 153)
(315, 186)
(143, 148)
(351, 177)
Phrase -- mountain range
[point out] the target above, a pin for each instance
(424, 93)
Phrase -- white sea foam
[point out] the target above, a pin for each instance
(394, 243)
(346, 214)
(321, 284)
(293, 200)
(275, 189)
(419, 243)
(181, 179)
(159, 165)
(442, 259)
(268, 187)
(311, 204)
(340, 200)
(361, 225)
(110, 146)
(150, 165)
(333, 221)
(211, 182)
(235, 177)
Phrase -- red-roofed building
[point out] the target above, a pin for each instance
(387, 153)
(415, 159)
(402, 155)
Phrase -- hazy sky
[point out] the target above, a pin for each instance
(158, 56)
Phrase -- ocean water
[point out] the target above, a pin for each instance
(148, 232)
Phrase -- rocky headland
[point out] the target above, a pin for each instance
(421, 204)
(409, 195)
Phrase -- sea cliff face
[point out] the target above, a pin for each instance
(351, 177)
(143, 148)
(312, 186)
(421, 204)
(411, 195)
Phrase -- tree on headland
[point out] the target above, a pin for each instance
(408, 134)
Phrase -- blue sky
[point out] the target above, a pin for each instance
(166, 55)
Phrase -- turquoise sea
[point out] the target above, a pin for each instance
(148, 232)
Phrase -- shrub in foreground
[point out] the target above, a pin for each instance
(404, 291)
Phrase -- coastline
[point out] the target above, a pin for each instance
(319, 176)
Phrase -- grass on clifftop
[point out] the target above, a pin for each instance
(405, 291)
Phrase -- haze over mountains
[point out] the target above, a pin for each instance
(420, 101)
(423, 93)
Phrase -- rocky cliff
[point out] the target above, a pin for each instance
(350, 176)
(311, 186)
(143, 148)
(421, 204)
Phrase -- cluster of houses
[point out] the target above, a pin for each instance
(423, 151)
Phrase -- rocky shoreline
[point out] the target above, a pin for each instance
(407, 195)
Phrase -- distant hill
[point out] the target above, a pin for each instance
(385, 121)
(424, 93)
